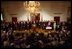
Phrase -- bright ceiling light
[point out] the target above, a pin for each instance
(32, 6)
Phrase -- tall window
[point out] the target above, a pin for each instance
(1, 17)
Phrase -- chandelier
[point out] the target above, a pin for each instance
(32, 6)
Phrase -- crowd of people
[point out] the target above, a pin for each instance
(28, 25)
(10, 38)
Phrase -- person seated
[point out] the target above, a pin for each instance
(61, 41)
(17, 46)
(12, 45)
(40, 44)
(6, 44)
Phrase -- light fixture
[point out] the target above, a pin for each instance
(32, 6)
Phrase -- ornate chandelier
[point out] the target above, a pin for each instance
(32, 6)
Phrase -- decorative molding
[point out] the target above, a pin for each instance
(58, 13)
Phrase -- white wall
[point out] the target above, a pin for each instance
(48, 10)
